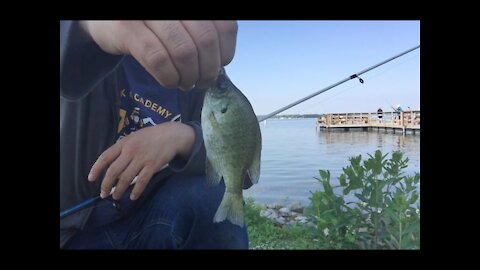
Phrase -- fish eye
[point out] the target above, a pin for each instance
(224, 109)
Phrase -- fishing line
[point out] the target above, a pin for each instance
(353, 76)
(366, 80)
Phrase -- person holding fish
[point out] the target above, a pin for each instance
(117, 74)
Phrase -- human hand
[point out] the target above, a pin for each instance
(141, 153)
(178, 54)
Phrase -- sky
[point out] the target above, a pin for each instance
(279, 62)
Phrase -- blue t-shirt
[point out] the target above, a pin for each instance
(143, 101)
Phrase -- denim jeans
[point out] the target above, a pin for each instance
(179, 215)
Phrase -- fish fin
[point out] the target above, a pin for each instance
(254, 170)
(213, 120)
(213, 178)
(230, 208)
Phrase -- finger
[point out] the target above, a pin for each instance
(125, 179)
(205, 37)
(227, 35)
(145, 46)
(181, 49)
(143, 178)
(107, 157)
(113, 172)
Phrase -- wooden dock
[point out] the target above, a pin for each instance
(404, 122)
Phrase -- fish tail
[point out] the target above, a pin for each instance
(230, 208)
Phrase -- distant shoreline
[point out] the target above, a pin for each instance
(292, 116)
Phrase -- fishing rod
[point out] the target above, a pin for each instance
(90, 202)
(356, 75)
(83, 205)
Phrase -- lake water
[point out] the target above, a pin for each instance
(293, 151)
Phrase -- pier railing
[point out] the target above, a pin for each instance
(409, 120)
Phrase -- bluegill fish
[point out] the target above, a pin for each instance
(233, 144)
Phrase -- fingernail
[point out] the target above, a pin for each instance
(103, 194)
(90, 177)
(133, 197)
(187, 88)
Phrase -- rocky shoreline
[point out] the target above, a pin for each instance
(282, 215)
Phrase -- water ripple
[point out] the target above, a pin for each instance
(293, 152)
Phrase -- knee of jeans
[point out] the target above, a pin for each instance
(182, 227)
(195, 202)
(198, 196)
(164, 227)
(204, 200)
(190, 204)
(194, 192)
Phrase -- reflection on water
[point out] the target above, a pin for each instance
(401, 141)
(293, 152)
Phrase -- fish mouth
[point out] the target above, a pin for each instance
(222, 71)
(222, 84)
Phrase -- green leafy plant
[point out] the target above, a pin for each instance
(332, 217)
(385, 213)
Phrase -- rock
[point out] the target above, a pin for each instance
(295, 214)
(301, 219)
(273, 214)
(296, 207)
(268, 213)
(265, 213)
(275, 206)
(285, 216)
(284, 212)
(280, 221)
